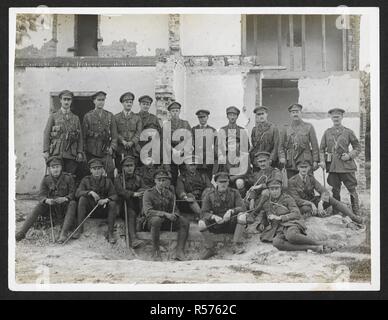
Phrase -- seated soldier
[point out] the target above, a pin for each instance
(302, 188)
(222, 212)
(191, 187)
(286, 229)
(127, 186)
(97, 190)
(161, 214)
(238, 167)
(257, 182)
(57, 194)
(147, 173)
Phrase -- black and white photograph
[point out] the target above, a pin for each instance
(194, 149)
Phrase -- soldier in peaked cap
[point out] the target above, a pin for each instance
(162, 214)
(100, 133)
(231, 131)
(338, 160)
(56, 191)
(129, 127)
(223, 206)
(131, 193)
(149, 120)
(62, 135)
(97, 189)
(298, 141)
(264, 136)
(206, 132)
(176, 123)
(192, 186)
(257, 182)
(303, 186)
(287, 230)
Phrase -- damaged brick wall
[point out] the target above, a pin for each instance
(353, 37)
(364, 157)
(118, 49)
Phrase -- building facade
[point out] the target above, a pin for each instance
(202, 61)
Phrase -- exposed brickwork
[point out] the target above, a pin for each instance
(48, 50)
(118, 49)
(174, 32)
(354, 43)
(363, 179)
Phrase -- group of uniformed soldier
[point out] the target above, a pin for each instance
(276, 191)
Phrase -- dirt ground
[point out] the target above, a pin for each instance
(93, 260)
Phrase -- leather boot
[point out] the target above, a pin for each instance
(111, 223)
(68, 222)
(135, 242)
(336, 196)
(30, 220)
(343, 208)
(237, 242)
(209, 250)
(355, 202)
(183, 234)
(155, 234)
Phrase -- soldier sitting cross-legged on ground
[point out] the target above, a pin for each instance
(162, 214)
(222, 212)
(286, 229)
(57, 194)
(97, 190)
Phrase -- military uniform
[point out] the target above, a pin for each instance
(193, 186)
(201, 148)
(52, 188)
(149, 121)
(155, 204)
(104, 188)
(303, 192)
(129, 127)
(286, 229)
(241, 169)
(175, 125)
(63, 138)
(335, 142)
(100, 133)
(216, 203)
(133, 183)
(298, 141)
(265, 137)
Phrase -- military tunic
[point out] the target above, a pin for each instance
(100, 133)
(103, 186)
(218, 203)
(150, 121)
(265, 137)
(286, 208)
(133, 184)
(53, 188)
(261, 178)
(62, 135)
(335, 142)
(304, 191)
(129, 128)
(298, 141)
(200, 149)
(192, 184)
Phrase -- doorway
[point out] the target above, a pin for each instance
(277, 95)
(86, 35)
(82, 104)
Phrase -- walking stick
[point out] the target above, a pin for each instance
(51, 225)
(232, 216)
(126, 220)
(79, 226)
(173, 212)
(324, 177)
